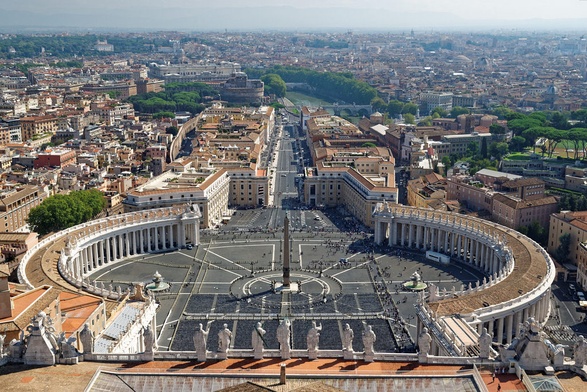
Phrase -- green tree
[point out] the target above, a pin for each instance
(394, 108)
(113, 94)
(409, 118)
(164, 115)
(517, 143)
(561, 253)
(484, 148)
(537, 232)
(440, 112)
(496, 129)
(560, 120)
(379, 104)
(369, 144)
(458, 110)
(502, 112)
(410, 108)
(59, 212)
(498, 150)
(274, 85)
(472, 149)
(425, 122)
(172, 130)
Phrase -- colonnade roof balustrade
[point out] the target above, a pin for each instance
(532, 275)
(39, 265)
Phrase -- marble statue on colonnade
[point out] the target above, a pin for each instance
(148, 339)
(86, 336)
(224, 337)
(485, 340)
(312, 339)
(283, 337)
(258, 340)
(369, 339)
(347, 342)
(200, 338)
(424, 343)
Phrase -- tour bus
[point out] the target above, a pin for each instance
(438, 257)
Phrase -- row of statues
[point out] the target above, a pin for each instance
(283, 338)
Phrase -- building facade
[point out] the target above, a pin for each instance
(572, 223)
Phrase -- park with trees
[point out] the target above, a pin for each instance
(187, 97)
(335, 85)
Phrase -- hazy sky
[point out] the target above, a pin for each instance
(470, 9)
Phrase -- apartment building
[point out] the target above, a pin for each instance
(431, 100)
(336, 184)
(249, 187)
(568, 222)
(30, 127)
(208, 189)
(16, 203)
(513, 212)
(54, 158)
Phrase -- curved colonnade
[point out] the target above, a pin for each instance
(94, 245)
(519, 271)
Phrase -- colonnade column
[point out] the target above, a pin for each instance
(142, 241)
(127, 243)
(120, 247)
(410, 235)
(508, 328)
(97, 260)
(163, 238)
(108, 254)
(500, 330)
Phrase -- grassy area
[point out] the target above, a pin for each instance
(302, 99)
(519, 156)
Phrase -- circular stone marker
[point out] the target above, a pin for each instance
(266, 288)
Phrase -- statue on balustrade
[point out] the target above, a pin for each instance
(313, 337)
(148, 339)
(283, 337)
(224, 337)
(485, 340)
(258, 341)
(424, 342)
(347, 338)
(200, 339)
(369, 339)
(86, 336)
(67, 346)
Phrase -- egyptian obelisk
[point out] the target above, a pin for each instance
(286, 252)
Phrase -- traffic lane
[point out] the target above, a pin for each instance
(567, 309)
